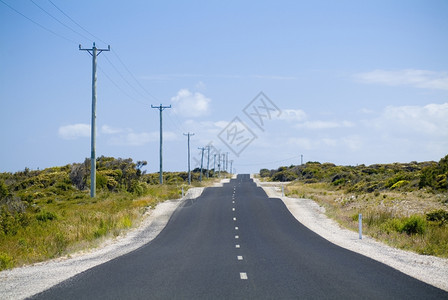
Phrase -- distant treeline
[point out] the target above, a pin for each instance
(361, 178)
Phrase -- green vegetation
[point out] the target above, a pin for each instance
(49, 213)
(404, 205)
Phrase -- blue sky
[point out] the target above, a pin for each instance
(348, 82)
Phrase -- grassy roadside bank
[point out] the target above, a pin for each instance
(49, 213)
(400, 204)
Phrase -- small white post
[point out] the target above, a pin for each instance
(283, 191)
(360, 226)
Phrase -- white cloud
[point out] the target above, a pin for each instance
(417, 78)
(131, 138)
(301, 120)
(352, 142)
(221, 124)
(430, 120)
(291, 115)
(110, 130)
(302, 143)
(72, 132)
(344, 143)
(325, 124)
(366, 111)
(189, 104)
(200, 86)
(275, 77)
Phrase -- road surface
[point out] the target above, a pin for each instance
(233, 242)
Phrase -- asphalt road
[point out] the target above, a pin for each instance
(234, 242)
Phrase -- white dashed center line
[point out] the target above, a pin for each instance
(243, 275)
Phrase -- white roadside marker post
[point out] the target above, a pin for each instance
(360, 226)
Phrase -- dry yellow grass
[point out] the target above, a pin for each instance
(381, 212)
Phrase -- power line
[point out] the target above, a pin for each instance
(38, 24)
(85, 37)
(132, 75)
(176, 123)
(71, 19)
(57, 20)
(125, 80)
(108, 60)
(119, 88)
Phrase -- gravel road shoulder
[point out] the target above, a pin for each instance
(429, 269)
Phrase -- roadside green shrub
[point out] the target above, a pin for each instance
(399, 184)
(442, 181)
(6, 261)
(265, 173)
(46, 216)
(440, 216)
(435, 175)
(284, 175)
(414, 225)
(102, 229)
(126, 222)
(138, 188)
(392, 225)
(400, 177)
(4, 192)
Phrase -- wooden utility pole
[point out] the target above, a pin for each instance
(161, 108)
(202, 159)
(94, 52)
(189, 171)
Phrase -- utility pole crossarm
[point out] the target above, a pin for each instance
(98, 51)
(161, 107)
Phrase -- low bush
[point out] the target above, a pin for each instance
(414, 225)
(439, 216)
(284, 175)
(6, 261)
(46, 216)
(399, 184)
